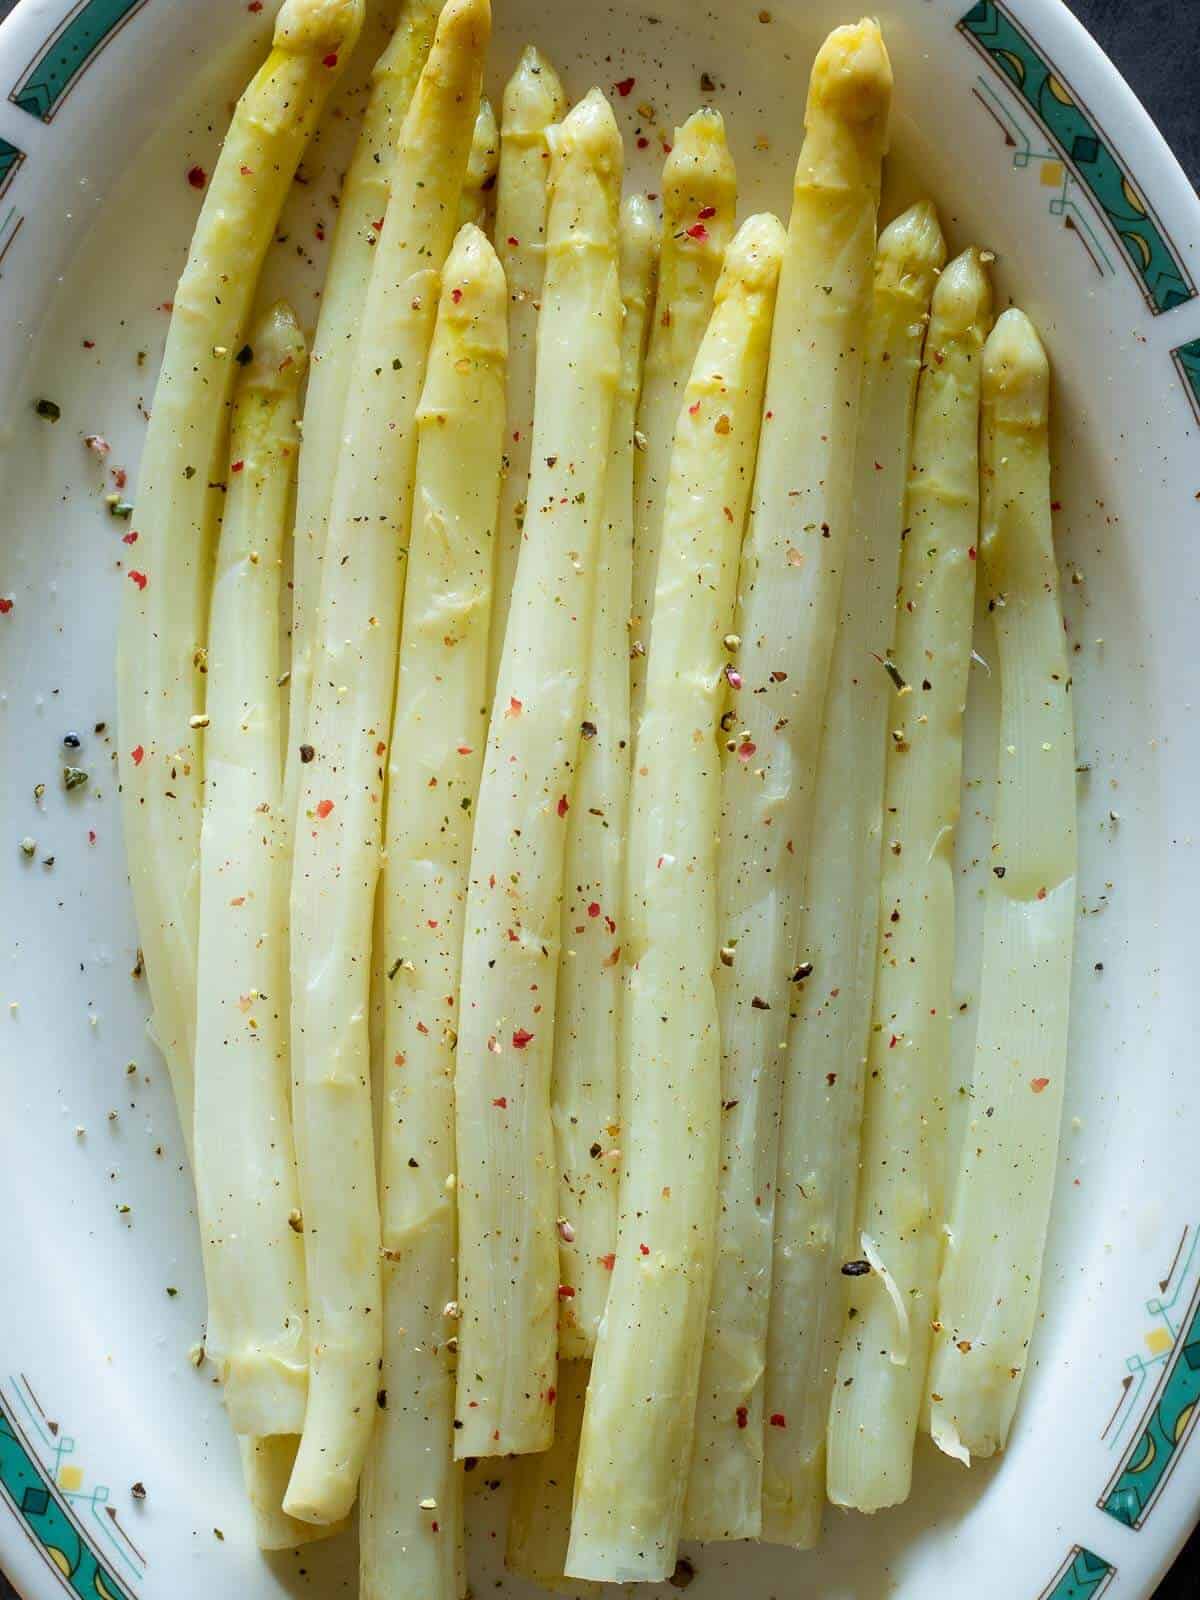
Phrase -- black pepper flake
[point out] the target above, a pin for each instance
(394, 968)
(999, 871)
(855, 1269)
(306, 753)
(48, 409)
(683, 1575)
(72, 741)
(588, 730)
(595, 1151)
(707, 83)
(803, 971)
(413, 1162)
(381, 1399)
(244, 356)
(894, 673)
(759, 1004)
(138, 1491)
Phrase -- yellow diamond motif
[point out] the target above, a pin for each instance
(70, 1478)
(1158, 1341)
(1051, 174)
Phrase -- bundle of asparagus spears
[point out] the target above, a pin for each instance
(616, 766)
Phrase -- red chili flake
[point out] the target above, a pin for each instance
(238, 900)
(6, 605)
(893, 1041)
(610, 925)
(197, 177)
(514, 706)
(609, 1261)
(746, 749)
(513, 240)
(255, 5)
(694, 411)
(551, 1395)
(743, 1417)
(733, 677)
(435, 1527)
(625, 87)
(432, 922)
(564, 805)
(120, 477)
(166, 305)
(324, 807)
(513, 936)
(778, 1420)
(464, 749)
(89, 344)
(706, 213)
(1041, 894)
(645, 1249)
(330, 60)
(399, 1058)
(612, 957)
(139, 578)
(138, 755)
(421, 1028)
(565, 1292)
(380, 747)
(698, 232)
(131, 537)
(521, 1037)
(502, 1102)
(91, 835)
(319, 230)
(1056, 505)
(456, 295)
(643, 143)
(237, 466)
(594, 909)
(245, 170)
(1038, 1084)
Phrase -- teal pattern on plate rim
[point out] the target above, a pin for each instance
(1082, 1576)
(68, 53)
(1187, 363)
(10, 159)
(1083, 148)
(75, 1528)
(1173, 1353)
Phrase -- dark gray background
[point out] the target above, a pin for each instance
(1156, 46)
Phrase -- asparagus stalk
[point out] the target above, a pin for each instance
(885, 1347)
(266, 1468)
(246, 1187)
(338, 841)
(823, 1070)
(164, 609)
(533, 102)
(362, 204)
(411, 1521)
(482, 165)
(787, 619)
(1000, 1206)
(585, 1088)
(699, 208)
(637, 1430)
(507, 1188)
(539, 1522)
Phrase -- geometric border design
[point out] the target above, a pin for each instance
(1146, 1465)
(10, 160)
(1082, 1576)
(1085, 149)
(1187, 363)
(58, 66)
(35, 1494)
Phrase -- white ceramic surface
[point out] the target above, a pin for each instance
(94, 1368)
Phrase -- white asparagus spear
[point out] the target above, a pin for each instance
(533, 102)
(831, 1014)
(266, 1469)
(482, 165)
(889, 1308)
(164, 610)
(247, 1194)
(585, 1089)
(637, 1431)
(699, 208)
(789, 607)
(411, 1519)
(362, 204)
(539, 1523)
(339, 834)
(507, 1184)
(1000, 1204)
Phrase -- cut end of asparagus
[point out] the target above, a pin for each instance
(279, 355)
(1016, 373)
(328, 26)
(533, 96)
(587, 138)
(852, 76)
(699, 174)
(464, 26)
(911, 250)
(753, 258)
(963, 297)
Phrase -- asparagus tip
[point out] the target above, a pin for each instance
(852, 75)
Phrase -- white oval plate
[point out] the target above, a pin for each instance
(1034, 146)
